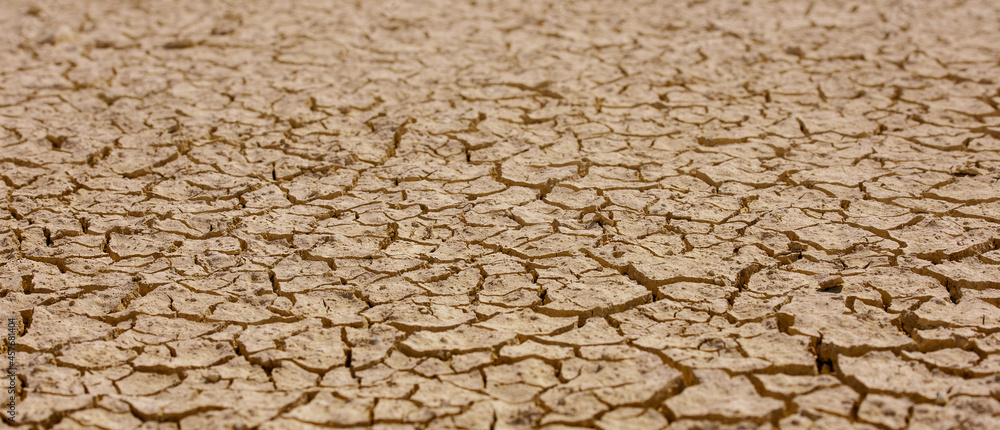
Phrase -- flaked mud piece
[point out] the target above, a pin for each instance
(718, 395)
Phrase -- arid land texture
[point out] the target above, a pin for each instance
(402, 214)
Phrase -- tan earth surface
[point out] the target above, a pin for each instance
(495, 215)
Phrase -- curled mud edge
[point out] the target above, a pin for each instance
(508, 215)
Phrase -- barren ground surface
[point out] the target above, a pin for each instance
(301, 215)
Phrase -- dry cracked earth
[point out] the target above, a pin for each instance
(686, 215)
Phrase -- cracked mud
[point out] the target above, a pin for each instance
(694, 215)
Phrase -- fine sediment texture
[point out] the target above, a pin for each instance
(402, 214)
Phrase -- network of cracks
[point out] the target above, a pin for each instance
(399, 214)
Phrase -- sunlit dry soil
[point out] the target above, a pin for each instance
(518, 214)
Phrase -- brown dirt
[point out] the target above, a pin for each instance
(622, 215)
